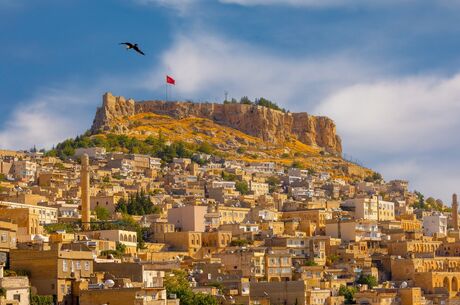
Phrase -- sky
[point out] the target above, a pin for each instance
(386, 71)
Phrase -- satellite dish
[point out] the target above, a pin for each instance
(109, 283)
(403, 285)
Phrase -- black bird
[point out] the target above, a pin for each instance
(134, 46)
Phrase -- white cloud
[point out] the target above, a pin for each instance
(48, 118)
(433, 176)
(405, 128)
(417, 114)
(205, 66)
(58, 112)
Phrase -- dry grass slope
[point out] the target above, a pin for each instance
(235, 144)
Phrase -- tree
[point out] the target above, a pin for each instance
(245, 100)
(311, 263)
(420, 204)
(51, 228)
(114, 142)
(242, 187)
(102, 213)
(273, 183)
(178, 284)
(229, 176)
(121, 206)
(205, 148)
(41, 299)
(374, 177)
(348, 293)
(330, 260)
(239, 243)
(297, 164)
(138, 204)
(269, 104)
(204, 299)
(241, 150)
(118, 252)
(368, 280)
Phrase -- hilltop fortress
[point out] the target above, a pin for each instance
(271, 125)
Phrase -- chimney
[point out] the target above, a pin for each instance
(84, 183)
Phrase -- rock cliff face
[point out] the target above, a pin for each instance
(268, 124)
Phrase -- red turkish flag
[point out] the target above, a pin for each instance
(170, 80)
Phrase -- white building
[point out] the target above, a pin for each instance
(436, 223)
(24, 170)
(371, 208)
(223, 184)
(258, 188)
(299, 193)
(262, 167)
(127, 238)
(16, 288)
(353, 230)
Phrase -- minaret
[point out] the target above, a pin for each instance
(454, 212)
(84, 183)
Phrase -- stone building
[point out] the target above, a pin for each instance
(55, 271)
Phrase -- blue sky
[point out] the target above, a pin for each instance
(386, 71)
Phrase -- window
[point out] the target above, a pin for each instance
(64, 265)
(87, 266)
(17, 297)
(78, 265)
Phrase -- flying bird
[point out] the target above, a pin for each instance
(133, 46)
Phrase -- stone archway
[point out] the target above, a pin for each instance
(446, 284)
(454, 284)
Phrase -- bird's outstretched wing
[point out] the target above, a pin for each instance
(127, 44)
(135, 48)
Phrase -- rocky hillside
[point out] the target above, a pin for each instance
(271, 126)
(235, 131)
